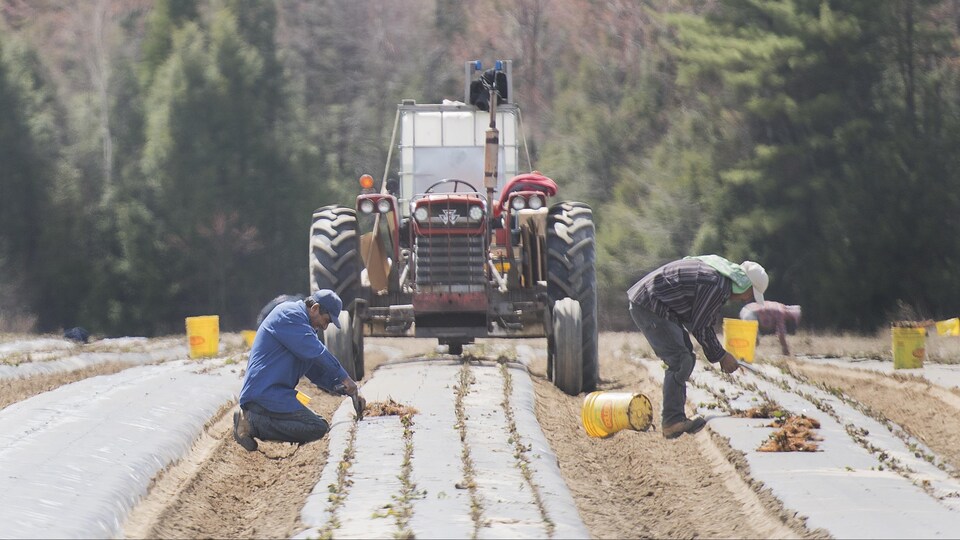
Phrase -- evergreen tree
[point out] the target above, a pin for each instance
(233, 221)
(165, 17)
(30, 156)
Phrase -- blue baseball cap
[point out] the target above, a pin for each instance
(329, 302)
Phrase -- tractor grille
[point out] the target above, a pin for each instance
(450, 260)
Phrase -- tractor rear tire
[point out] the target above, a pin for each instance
(341, 342)
(568, 346)
(335, 262)
(571, 273)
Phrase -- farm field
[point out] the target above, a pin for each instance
(129, 437)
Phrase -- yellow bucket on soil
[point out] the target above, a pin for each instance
(949, 327)
(248, 337)
(303, 398)
(740, 338)
(203, 334)
(605, 413)
(909, 347)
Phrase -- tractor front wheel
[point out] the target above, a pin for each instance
(343, 343)
(567, 374)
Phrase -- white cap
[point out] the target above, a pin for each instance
(758, 277)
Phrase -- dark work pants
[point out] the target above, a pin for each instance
(301, 426)
(672, 344)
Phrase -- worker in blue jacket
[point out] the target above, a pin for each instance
(287, 348)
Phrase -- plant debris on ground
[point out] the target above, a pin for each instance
(767, 410)
(387, 408)
(795, 435)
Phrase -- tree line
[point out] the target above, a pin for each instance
(162, 158)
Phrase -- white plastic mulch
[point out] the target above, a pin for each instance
(75, 460)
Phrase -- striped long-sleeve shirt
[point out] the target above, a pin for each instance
(688, 292)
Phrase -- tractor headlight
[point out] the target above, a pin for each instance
(535, 202)
(421, 214)
(384, 206)
(366, 206)
(476, 213)
(518, 203)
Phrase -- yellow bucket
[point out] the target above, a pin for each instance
(203, 334)
(248, 337)
(303, 398)
(740, 338)
(909, 347)
(949, 327)
(605, 413)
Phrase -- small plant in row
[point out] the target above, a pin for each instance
(522, 450)
(464, 382)
(338, 490)
(402, 509)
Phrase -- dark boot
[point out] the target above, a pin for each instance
(241, 431)
(684, 426)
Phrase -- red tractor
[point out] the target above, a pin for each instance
(462, 244)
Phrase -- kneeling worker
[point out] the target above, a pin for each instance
(287, 348)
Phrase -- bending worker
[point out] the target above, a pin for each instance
(687, 295)
(773, 317)
(287, 348)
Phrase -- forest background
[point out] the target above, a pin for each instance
(162, 158)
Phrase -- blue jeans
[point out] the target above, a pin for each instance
(672, 344)
(301, 426)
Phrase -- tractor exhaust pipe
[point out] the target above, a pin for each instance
(491, 150)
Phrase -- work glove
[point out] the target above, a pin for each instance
(349, 388)
(359, 404)
(729, 363)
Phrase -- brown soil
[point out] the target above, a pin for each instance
(634, 484)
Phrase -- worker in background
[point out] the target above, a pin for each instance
(773, 317)
(287, 348)
(686, 296)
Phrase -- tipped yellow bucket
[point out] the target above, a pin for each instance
(303, 398)
(605, 413)
(949, 327)
(203, 334)
(248, 337)
(909, 347)
(740, 338)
